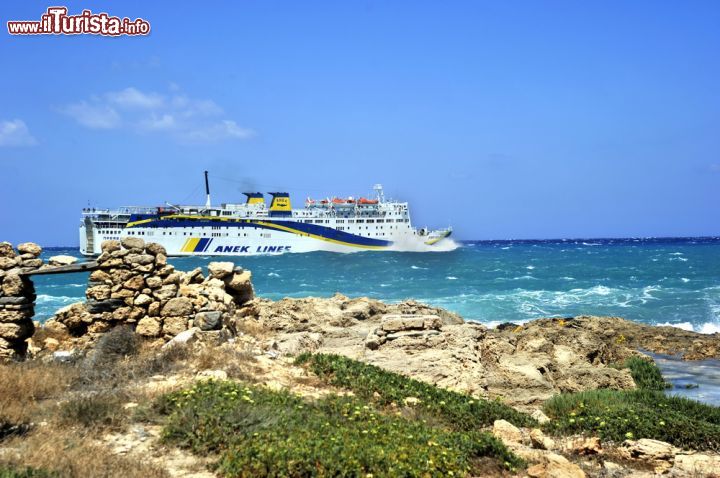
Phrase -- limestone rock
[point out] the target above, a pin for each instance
(29, 248)
(507, 432)
(148, 327)
(6, 250)
(139, 259)
(135, 283)
(220, 270)
(62, 260)
(177, 306)
(208, 320)
(12, 284)
(110, 246)
(697, 464)
(143, 300)
(539, 440)
(154, 248)
(166, 292)
(154, 282)
(185, 337)
(132, 243)
(174, 325)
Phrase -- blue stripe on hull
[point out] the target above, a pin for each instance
(299, 227)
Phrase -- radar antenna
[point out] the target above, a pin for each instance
(379, 192)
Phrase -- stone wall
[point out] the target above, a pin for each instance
(134, 285)
(17, 297)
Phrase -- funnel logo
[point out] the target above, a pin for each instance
(56, 21)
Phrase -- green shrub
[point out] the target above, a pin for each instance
(259, 432)
(646, 374)
(619, 415)
(95, 410)
(24, 472)
(457, 410)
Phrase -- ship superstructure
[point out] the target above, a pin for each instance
(337, 224)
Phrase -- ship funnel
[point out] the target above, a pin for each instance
(254, 198)
(280, 205)
(207, 191)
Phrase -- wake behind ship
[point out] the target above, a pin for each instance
(337, 225)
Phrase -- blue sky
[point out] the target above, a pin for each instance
(517, 119)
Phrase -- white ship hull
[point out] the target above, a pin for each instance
(206, 241)
(252, 228)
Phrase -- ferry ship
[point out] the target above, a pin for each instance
(250, 228)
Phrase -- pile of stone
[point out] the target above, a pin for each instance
(403, 326)
(134, 285)
(17, 297)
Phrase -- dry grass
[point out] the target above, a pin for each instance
(25, 386)
(71, 455)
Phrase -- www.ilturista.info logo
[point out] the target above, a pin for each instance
(57, 22)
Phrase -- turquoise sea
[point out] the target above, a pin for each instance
(655, 281)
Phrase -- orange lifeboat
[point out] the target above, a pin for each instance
(367, 201)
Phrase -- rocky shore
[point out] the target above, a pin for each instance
(227, 332)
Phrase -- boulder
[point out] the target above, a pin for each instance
(139, 259)
(174, 325)
(29, 248)
(132, 243)
(142, 300)
(134, 283)
(148, 327)
(166, 292)
(177, 306)
(62, 260)
(7, 263)
(507, 432)
(17, 330)
(12, 284)
(154, 248)
(208, 320)
(6, 250)
(220, 270)
(110, 246)
(154, 282)
(697, 464)
(185, 337)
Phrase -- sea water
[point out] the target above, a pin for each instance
(653, 281)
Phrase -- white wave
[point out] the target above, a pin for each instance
(419, 268)
(706, 328)
(273, 274)
(567, 278)
(530, 267)
(685, 279)
(505, 248)
(675, 254)
(683, 259)
(591, 244)
(451, 278)
(45, 299)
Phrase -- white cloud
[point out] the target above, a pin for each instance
(93, 115)
(15, 133)
(225, 129)
(173, 113)
(133, 98)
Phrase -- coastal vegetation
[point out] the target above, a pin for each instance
(386, 388)
(646, 412)
(260, 432)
